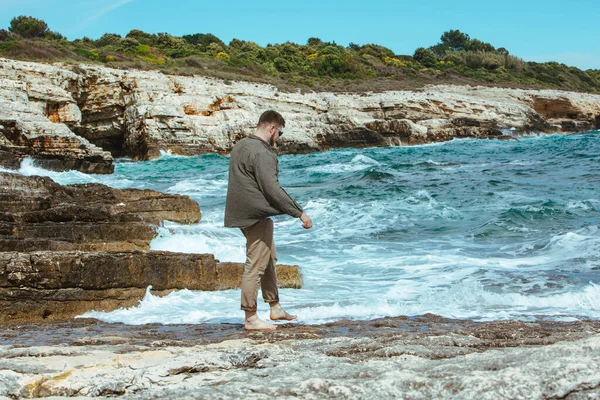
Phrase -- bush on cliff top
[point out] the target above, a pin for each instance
(28, 27)
(456, 58)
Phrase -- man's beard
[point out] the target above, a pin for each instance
(273, 141)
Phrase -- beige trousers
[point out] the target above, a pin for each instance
(260, 265)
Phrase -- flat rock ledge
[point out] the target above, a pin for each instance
(37, 214)
(425, 357)
(60, 285)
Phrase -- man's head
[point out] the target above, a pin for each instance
(270, 126)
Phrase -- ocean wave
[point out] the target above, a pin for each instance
(467, 300)
(30, 168)
(198, 185)
(225, 243)
(358, 163)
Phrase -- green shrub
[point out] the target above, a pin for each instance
(282, 65)
(314, 42)
(203, 40)
(5, 35)
(108, 39)
(174, 46)
(52, 35)
(91, 54)
(28, 27)
(129, 45)
(8, 45)
(142, 49)
(142, 37)
(425, 57)
(332, 65)
(214, 48)
(376, 51)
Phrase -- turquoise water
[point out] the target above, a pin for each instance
(476, 229)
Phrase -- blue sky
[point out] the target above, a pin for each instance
(551, 30)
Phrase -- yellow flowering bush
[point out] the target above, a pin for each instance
(222, 56)
(394, 62)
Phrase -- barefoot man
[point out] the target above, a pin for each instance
(254, 195)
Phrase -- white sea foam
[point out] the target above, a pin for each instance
(200, 186)
(180, 307)
(225, 244)
(585, 205)
(169, 154)
(467, 300)
(358, 163)
(29, 168)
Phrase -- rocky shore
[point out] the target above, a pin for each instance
(79, 117)
(65, 250)
(418, 358)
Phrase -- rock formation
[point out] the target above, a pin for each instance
(60, 285)
(69, 249)
(36, 214)
(38, 115)
(59, 114)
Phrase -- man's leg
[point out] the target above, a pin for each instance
(258, 258)
(268, 281)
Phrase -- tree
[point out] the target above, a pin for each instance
(425, 57)
(478, 45)
(313, 41)
(28, 27)
(354, 46)
(203, 40)
(455, 40)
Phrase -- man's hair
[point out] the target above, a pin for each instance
(271, 117)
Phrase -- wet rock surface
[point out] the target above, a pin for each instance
(60, 285)
(421, 357)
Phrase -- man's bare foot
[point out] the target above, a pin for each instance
(254, 323)
(279, 314)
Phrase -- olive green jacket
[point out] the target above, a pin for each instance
(253, 192)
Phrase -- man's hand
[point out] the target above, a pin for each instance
(306, 221)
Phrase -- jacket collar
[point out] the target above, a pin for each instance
(267, 145)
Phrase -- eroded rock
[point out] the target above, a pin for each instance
(39, 214)
(139, 113)
(418, 358)
(61, 285)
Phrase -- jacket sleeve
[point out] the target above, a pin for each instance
(265, 172)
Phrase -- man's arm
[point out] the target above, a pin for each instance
(265, 172)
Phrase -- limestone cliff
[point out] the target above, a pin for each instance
(64, 115)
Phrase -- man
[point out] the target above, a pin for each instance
(254, 195)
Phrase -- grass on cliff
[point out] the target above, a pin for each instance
(316, 65)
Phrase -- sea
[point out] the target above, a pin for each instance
(468, 229)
